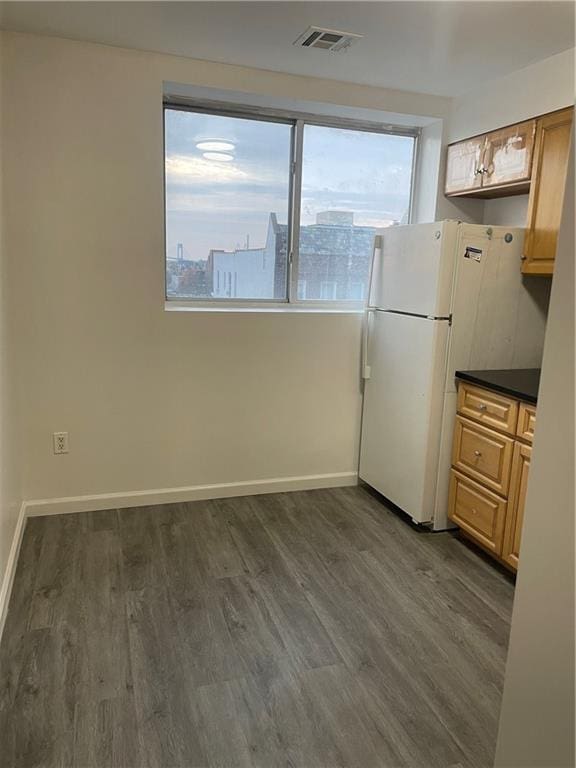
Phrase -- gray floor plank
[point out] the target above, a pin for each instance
(306, 630)
(165, 716)
(218, 548)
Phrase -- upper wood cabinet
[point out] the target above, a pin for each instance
(508, 155)
(492, 164)
(545, 204)
(462, 168)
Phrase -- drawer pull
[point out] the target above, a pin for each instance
(477, 453)
(482, 407)
(474, 512)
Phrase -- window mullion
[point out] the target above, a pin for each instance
(295, 202)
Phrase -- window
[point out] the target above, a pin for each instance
(288, 206)
(357, 291)
(328, 290)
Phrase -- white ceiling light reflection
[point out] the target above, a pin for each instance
(219, 157)
(215, 145)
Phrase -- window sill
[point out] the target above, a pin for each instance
(287, 309)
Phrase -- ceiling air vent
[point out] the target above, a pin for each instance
(327, 39)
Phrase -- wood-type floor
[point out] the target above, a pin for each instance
(312, 629)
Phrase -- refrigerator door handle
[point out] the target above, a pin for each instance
(376, 254)
(365, 339)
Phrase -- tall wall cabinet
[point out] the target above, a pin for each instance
(528, 157)
(550, 166)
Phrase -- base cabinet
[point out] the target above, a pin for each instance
(515, 518)
(477, 511)
(490, 466)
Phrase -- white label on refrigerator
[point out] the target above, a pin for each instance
(473, 253)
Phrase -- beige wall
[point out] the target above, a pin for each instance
(10, 497)
(542, 87)
(151, 399)
(537, 719)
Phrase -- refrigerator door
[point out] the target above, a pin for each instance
(414, 271)
(402, 414)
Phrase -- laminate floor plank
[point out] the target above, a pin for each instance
(162, 682)
(222, 557)
(307, 640)
(314, 629)
(16, 627)
(104, 734)
(197, 613)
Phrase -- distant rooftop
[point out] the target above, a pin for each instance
(342, 218)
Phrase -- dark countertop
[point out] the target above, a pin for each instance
(521, 383)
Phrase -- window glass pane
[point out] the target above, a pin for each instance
(227, 193)
(352, 183)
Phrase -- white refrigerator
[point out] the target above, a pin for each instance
(444, 296)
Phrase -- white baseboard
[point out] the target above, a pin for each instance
(9, 573)
(98, 501)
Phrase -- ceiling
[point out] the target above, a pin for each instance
(442, 48)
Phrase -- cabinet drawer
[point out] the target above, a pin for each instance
(526, 422)
(477, 511)
(483, 454)
(489, 408)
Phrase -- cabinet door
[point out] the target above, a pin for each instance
(550, 165)
(463, 166)
(508, 155)
(515, 515)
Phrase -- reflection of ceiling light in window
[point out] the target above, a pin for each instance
(214, 145)
(218, 156)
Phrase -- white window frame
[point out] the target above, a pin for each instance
(298, 121)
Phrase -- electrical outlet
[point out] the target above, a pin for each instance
(60, 440)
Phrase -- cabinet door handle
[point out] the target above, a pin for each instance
(477, 453)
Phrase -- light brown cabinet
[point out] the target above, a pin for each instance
(526, 422)
(463, 166)
(483, 454)
(547, 192)
(508, 155)
(489, 408)
(527, 157)
(490, 463)
(477, 511)
(492, 164)
(515, 518)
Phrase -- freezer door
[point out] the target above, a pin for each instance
(414, 271)
(402, 414)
